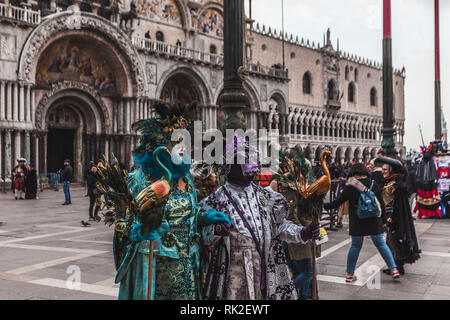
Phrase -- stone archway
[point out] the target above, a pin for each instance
(348, 154)
(366, 154)
(74, 123)
(88, 26)
(193, 80)
(278, 101)
(357, 154)
(339, 156)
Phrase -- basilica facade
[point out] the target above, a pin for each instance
(75, 75)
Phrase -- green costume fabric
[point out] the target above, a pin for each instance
(176, 260)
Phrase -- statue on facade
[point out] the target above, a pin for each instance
(130, 15)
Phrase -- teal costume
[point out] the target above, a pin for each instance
(176, 263)
(174, 225)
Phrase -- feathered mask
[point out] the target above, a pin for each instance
(238, 150)
(157, 131)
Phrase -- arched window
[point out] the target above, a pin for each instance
(331, 90)
(213, 49)
(356, 75)
(351, 92)
(307, 83)
(346, 72)
(373, 97)
(160, 36)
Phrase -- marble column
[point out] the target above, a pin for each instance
(127, 147)
(9, 111)
(120, 117)
(26, 152)
(15, 101)
(32, 105)
(128, 116)
(115, 116)
(136, 109)
(1, 155)
(8, 155)
(17, 145)
(28, 103)
(2, 101)
(21, 102)
(107, 156)
(97, 148)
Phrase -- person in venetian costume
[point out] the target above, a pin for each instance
(247, 260)
(299, 256)
(19, 175)
(173, 225)
(401, 234)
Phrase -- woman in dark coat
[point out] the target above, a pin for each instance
(31, 183)
(359, 228)
(93, 192)
(401, 236)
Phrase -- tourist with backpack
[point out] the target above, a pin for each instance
(366, 218)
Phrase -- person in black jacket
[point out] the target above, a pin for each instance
(401, 233)
(31, 183)
(93, 192)
(66, 176)
(359, 228)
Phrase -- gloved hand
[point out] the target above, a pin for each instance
(212, 216)
(327, 206)
(137, 236)
(312, 231)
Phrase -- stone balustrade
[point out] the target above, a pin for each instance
(28, 16)
(191, 55)
(177, 51)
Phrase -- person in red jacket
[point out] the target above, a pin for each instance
(19, 174)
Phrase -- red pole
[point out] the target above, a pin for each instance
(387, 18)
(437, 80)
(437, 41)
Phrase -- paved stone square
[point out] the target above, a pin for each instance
(44, 248)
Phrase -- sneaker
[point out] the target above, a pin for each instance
(350, 278)
(395, 274)
(65, 204)
(339, 225)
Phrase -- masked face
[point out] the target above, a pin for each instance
(237, 177)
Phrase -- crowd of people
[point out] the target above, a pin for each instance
(219, 234)
(222, 235)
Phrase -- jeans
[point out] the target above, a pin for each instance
(381, 245)
(303, 273)
(66, 188)
(302, 270)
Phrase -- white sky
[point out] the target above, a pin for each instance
(358, 25)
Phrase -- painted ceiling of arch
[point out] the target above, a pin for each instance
(211, 22)
(76, 60)
(162, 10)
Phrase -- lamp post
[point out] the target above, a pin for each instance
(388, 131)
(233, 99)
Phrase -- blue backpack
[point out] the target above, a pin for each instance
(367, 204)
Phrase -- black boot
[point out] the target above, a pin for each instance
(401, 269)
